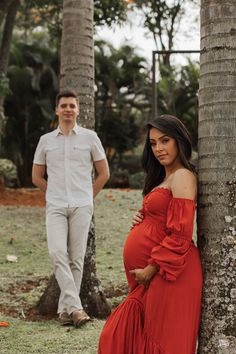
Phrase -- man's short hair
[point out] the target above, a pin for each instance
(66, 93)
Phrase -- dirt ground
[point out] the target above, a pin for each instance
(22, 196)
(32, 197)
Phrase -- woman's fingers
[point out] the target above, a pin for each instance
(139, 277)
(137, 219)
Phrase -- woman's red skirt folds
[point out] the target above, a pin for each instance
(164, 318)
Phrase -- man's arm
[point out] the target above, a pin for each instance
(102, 177)
(38, 173)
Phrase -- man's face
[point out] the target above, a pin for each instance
(67, 110)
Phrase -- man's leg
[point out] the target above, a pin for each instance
(57, 239)
(79, 222)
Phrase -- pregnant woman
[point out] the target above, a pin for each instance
(161, 313)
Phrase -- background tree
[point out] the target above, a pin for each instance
(177, 88)
(217, 176)
(48, 13)
(162, 19)
(178, 95)
(121, 98)
(29, 106)
(122, 104)
(41, 21)
(8, 11)
(77, 74)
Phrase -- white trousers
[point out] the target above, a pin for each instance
(67, 234)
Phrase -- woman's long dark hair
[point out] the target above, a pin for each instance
(173, 127)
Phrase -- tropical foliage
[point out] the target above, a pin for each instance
(177, 95)
(123, 79)
(122, 105)
(32, 74)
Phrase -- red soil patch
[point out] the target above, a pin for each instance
(22, 196)
(31, 196)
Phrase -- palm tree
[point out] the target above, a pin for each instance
(122, 92)
(77, 55)
(8, 10)
(217, 176)
(33, 84)
(77, 74)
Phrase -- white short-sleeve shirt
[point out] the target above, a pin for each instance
(69, 163)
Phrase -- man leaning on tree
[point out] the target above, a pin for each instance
(68, 155)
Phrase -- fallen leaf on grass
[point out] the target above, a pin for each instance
(11, 258)
(4, 324)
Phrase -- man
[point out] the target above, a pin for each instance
(68, 155)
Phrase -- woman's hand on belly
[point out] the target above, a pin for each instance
(137, 219)
(143, 276)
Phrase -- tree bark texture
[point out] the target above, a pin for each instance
(217, 176)
(77, 73)
(7, 35)
(92, 296)
(77, 56)
(4, 4)
(9, 12)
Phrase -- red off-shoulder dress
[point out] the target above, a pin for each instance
(163, 318)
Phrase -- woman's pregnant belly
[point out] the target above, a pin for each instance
(139, 243)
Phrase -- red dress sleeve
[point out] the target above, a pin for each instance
(170, 255)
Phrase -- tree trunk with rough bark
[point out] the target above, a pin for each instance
(77, 56)
(77, 74)
(217, 176)
(92, 296)
(7, 35)
(7, 10)
(4, 4)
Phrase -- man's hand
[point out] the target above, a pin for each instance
(103, 175)
(143, 276)
(137, 219)
(38, 172)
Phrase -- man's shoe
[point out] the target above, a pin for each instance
(80, 317)
(65, 319)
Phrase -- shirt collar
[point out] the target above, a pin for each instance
(76, 129)
(58, 131)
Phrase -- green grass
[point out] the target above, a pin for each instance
(22, 233)
(49, 337)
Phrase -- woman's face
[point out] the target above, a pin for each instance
(163, 147)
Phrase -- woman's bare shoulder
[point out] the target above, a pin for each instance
(184, 184)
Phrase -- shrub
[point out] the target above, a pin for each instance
(119, 179)
(136, 181)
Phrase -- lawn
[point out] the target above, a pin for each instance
(22, 233)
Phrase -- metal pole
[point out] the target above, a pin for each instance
(154, 88)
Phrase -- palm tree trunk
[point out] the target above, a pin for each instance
(4, 5)
(11, 10)
(77, 56)
(7, 35)
(77, 73)
(217, 176)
